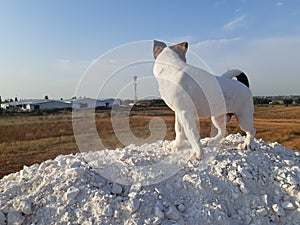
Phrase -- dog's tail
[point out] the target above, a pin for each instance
(240, 76)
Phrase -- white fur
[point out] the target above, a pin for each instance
(195, 93)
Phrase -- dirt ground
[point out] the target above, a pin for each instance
(27, 139)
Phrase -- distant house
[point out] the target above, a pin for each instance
(35, 104)
(94, 103)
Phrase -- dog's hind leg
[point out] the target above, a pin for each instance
(189, 123)
(246, 124)
(220, 123)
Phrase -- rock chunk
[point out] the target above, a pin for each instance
(116, 189)
(288, 205)
(108, 211)
(14, 217)
(173, 214)
(134, 204)
(71, 193)
(158, 213)
(278, 210)
(2, 217)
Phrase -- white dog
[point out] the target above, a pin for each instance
(195, 93)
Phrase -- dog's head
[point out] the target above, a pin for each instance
(180, 49)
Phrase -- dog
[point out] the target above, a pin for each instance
(194, 93)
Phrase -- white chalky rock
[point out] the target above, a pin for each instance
(265, 199)
(116, 214)
(218, 190)
(158, 212)
(108, 211)
(247, 219)
(173, 214)
(181, 208)
(289, 162)
(25, 207)
(71, 193)
(79, 171)
(291, 180)
(156, 221)
(24, 172)
(14, 217)
(262, 212)
(2, 217)
(116, 189)
(278, 210)
(134, 204)
(5, 209)
(75, 164)
(60, 210)
(246, 174)
(75, 171)
(288, 205)
(244, 189)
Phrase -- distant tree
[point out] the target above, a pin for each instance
(287, 101)
(297, 101)
(74, 97)
(11, 100)
(46, 97)
(0, 99)
(61, 99)
(261, 100)
(16, 99)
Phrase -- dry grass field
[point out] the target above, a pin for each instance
(25, 139)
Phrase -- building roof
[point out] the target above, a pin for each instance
(34, 102)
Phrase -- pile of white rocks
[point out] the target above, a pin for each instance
(238, 187)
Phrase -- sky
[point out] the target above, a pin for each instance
(50, 47)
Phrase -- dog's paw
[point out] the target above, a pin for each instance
(171, 147)
(205, 143)
(198, 155)
(242, 146)
(252, 146)
(245, 146)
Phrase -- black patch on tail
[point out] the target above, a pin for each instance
(243, 79)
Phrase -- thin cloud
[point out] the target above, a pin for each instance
(231, 25)
(279, 4)
(68, 65)
(216, 41)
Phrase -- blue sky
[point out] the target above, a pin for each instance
(46, 46)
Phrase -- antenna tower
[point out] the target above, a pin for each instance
(135, 88)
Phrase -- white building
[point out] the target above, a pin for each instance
(94, 103)
(35, 104)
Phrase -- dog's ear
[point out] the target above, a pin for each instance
(158, 47)
(180, 49)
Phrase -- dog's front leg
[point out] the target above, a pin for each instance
(220, 123)
(180, 136)
(189, 123)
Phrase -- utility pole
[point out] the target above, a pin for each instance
(135, 89)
